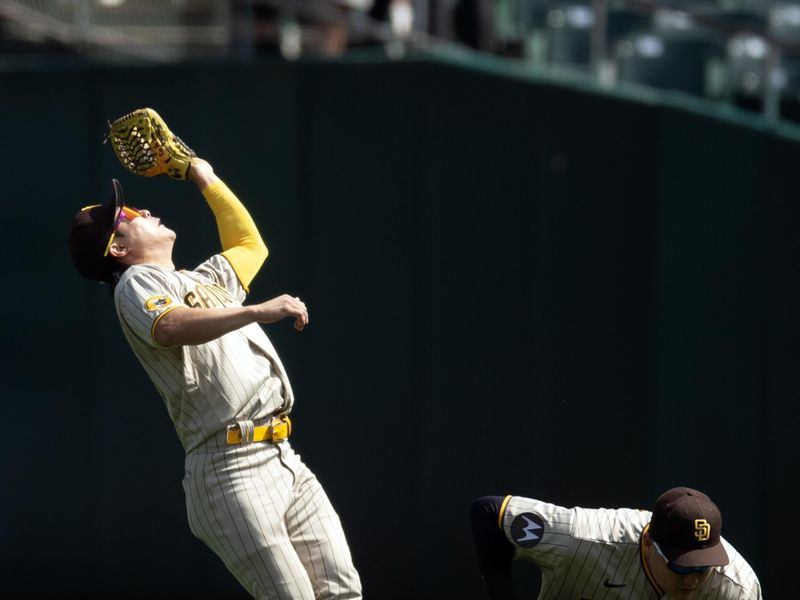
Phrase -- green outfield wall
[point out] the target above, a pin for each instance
(517, 284)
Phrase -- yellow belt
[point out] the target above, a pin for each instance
(245, 432)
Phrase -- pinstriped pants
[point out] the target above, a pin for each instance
(261, 510)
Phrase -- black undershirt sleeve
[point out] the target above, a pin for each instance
(495, 552)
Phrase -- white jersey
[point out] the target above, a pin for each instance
(596, 554)
(235, 377)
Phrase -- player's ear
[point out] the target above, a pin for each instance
(117, 249)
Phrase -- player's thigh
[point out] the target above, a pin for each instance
(318, 537)
(236, 505)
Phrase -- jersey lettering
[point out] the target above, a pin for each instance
(208, 296)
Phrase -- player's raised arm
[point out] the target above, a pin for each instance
(241, 242)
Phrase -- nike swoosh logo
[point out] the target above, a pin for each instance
(607, 583)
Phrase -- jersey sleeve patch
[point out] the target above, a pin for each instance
(157, 302)
(527, 529)
(144, 293)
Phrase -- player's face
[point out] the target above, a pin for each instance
(676, 585)
(142, 231)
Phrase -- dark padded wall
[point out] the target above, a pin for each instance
(516, 285)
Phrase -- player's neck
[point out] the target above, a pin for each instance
(167, 264)
(154, 258)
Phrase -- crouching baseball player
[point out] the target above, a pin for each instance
(249, 497)
(675, 552)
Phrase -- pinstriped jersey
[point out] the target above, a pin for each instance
(595, 554)
(207, 386)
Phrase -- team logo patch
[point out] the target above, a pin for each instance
(702, 530)
(157, 302)
(527, 529)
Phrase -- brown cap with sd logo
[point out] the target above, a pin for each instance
(686, 525)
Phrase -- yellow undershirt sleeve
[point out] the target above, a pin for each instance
(241, 243)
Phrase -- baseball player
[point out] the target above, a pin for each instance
(249, 497)
(673, 552)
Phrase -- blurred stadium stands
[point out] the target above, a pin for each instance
(741, 52)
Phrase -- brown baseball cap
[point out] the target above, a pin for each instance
(686, 525)
(89, 234)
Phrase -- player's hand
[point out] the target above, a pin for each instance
(201, 173)
(281, 307)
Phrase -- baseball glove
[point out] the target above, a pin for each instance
(145, 146)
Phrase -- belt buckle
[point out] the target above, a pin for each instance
(279, 429)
